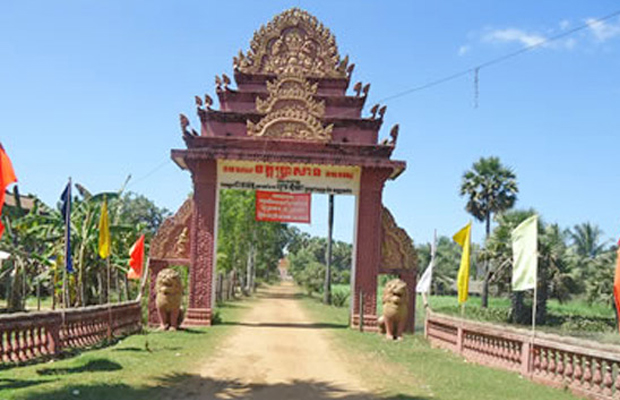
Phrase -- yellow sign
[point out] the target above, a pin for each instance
(288, 177)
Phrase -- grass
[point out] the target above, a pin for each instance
(411, 369)
(31, 303)
(141, 366)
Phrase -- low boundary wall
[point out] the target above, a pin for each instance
(26, 336)
(584, 367)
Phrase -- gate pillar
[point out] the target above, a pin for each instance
(368, 246)
(202, 242)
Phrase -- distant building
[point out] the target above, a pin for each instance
(27, 203)
(15, 208)
(283, 266)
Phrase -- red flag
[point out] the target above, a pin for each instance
(136, 259)
(617, 284)
(7, 176)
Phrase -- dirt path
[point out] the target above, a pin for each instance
(277, 352)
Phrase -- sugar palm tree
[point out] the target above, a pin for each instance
(586, 239)
(490, 188)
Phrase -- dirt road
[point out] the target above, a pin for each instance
(277, 352)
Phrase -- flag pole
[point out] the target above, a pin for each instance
(145, 272)
(67, 248)
(534, 306)
(433, 254)
(108, 280)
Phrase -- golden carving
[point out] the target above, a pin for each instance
(291, 111)
(294, 41)
(289, 90)
(172, 238)
(397, 251)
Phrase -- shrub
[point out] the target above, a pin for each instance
(340, 297)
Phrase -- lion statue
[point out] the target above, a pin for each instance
(395, 300)
(168, 300)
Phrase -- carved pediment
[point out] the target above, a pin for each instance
(397, 250)
(291, 90)
(172, 238)
(291, 112)
(294, 41)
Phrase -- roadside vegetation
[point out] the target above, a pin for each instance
(411, 369)
(35, 240)
(150, 365)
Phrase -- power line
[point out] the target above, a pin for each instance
(475, 69)
(149, 174)
(500, 59)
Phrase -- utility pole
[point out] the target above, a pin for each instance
(327, 292)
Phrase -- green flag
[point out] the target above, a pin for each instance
(525, 254)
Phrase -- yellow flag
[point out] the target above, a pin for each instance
(104, 232)
(463, 238)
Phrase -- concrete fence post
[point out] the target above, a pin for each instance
(53, 337)
(109, 332)
(459, 338)
(526, 352)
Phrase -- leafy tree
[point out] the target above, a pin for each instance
(586, 238)
(249, 247)
(554, 274)
(36, 238)
(600, 282)
(136, 209)
(31, 240)
(306, 271)
(490, 188)
(307, 256)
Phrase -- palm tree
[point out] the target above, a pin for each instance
(586, 238)
(499, 250)
(491, 188)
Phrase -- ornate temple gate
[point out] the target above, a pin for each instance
(289, 126)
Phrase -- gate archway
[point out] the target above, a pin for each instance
(287, 125)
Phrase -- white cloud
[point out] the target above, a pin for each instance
(602, 30)
(464, 50)
(564, 24)
(527, 39)
(513, 35)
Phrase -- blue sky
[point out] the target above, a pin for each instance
(93, 90)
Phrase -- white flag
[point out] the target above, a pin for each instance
(424, 284)
(525, 254)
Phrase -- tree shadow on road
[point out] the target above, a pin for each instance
(280, 296)
(10, 384)
(100, 364)
(194, 387)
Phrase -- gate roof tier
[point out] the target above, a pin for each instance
(244, 100)
(215, 123)
(287, 151)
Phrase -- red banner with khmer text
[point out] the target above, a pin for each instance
(283, 207)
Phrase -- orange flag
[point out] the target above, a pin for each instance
(617, 284)
(136, 259)
(7, 176)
